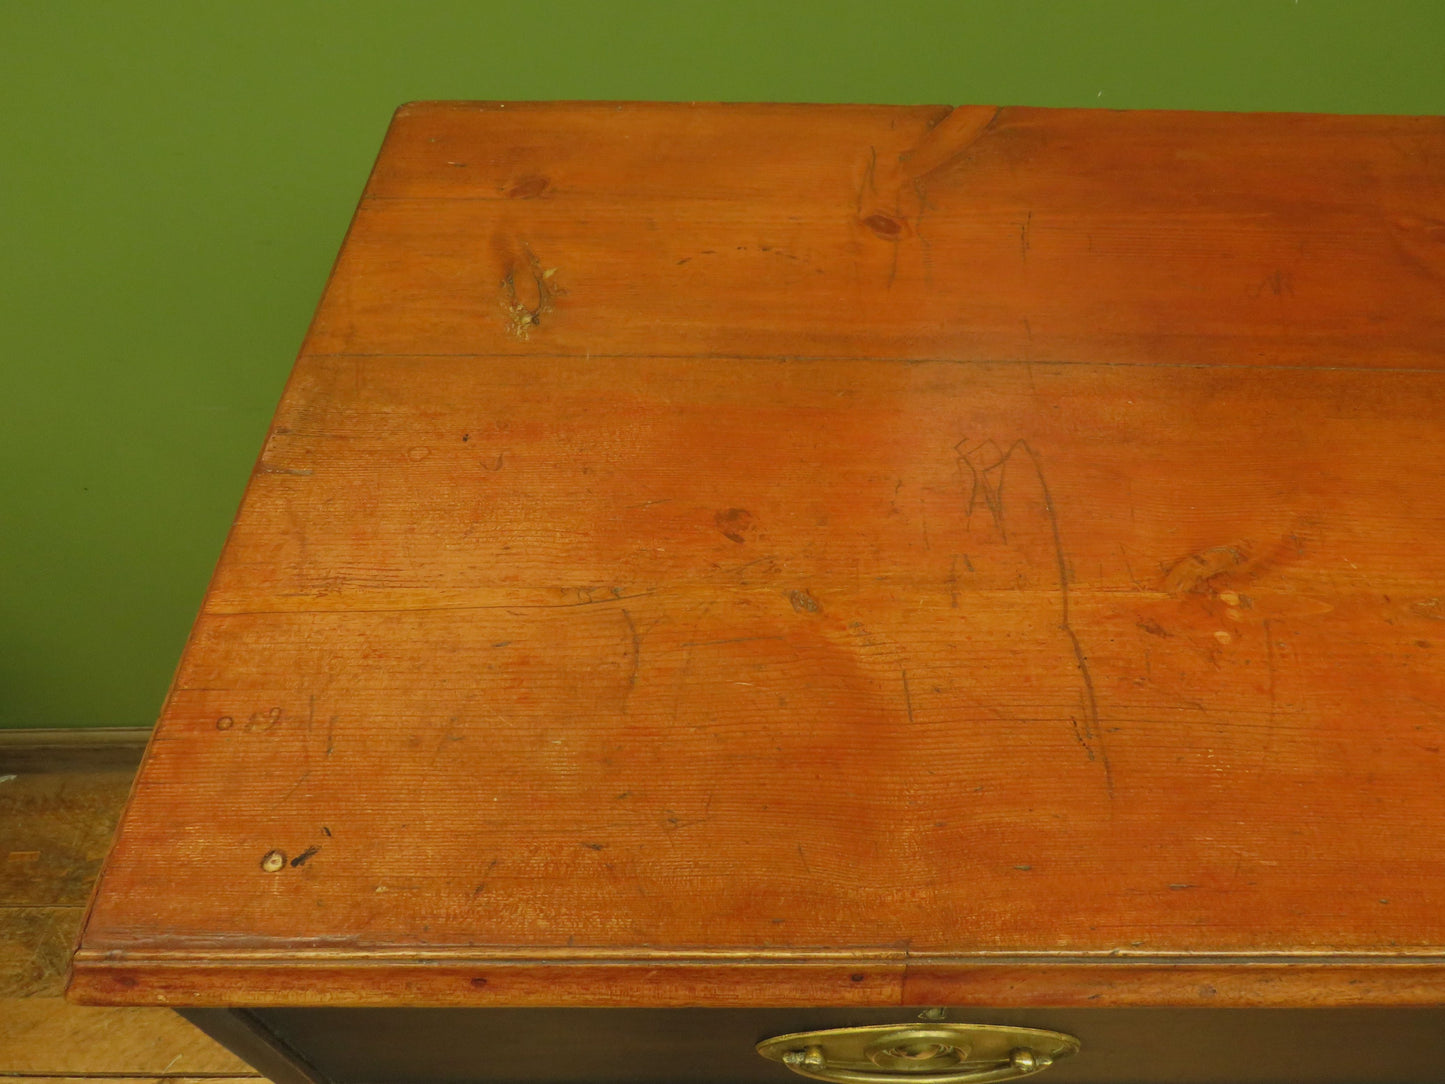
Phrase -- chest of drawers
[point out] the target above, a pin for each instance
(721, 572)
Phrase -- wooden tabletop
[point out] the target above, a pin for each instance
(768, 555)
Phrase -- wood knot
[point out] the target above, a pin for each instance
(528, 188)
(1194, 572)
(804, 603)
(736, 524)
(885, 226)
(528, 293)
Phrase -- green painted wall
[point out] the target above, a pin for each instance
(175, 179)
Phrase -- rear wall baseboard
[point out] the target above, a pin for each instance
(76, 749)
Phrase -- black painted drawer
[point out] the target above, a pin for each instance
(713, 1046)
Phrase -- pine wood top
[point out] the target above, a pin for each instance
(829, 555)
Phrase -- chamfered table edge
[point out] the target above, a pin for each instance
(714, 980)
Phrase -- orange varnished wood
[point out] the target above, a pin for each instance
(401, 980)
(1086, 236)
(802, 555)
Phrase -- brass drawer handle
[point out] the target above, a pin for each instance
(919, 1054)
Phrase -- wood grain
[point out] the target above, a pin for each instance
(705, 554)
(342, 979)
(57, 812)
(1086, 236)
(55, 827)
(35, 948)
(45, 1035)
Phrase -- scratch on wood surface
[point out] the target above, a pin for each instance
(482, 885)
(728, 640)
(1129, 568)
(636, 638)
(1432, 608)
(1271, 663)
(217, 611)
(295, 786)
(986, 465)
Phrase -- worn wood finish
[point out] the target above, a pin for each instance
(56, 820)
(56, 813)
(829, 556)
(42, 1036)
(35, 948)
(55, 826)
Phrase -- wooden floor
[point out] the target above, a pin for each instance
(58, 806)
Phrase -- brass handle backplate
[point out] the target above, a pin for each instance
(919, 1053)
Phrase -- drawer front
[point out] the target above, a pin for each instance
(714, 1046)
